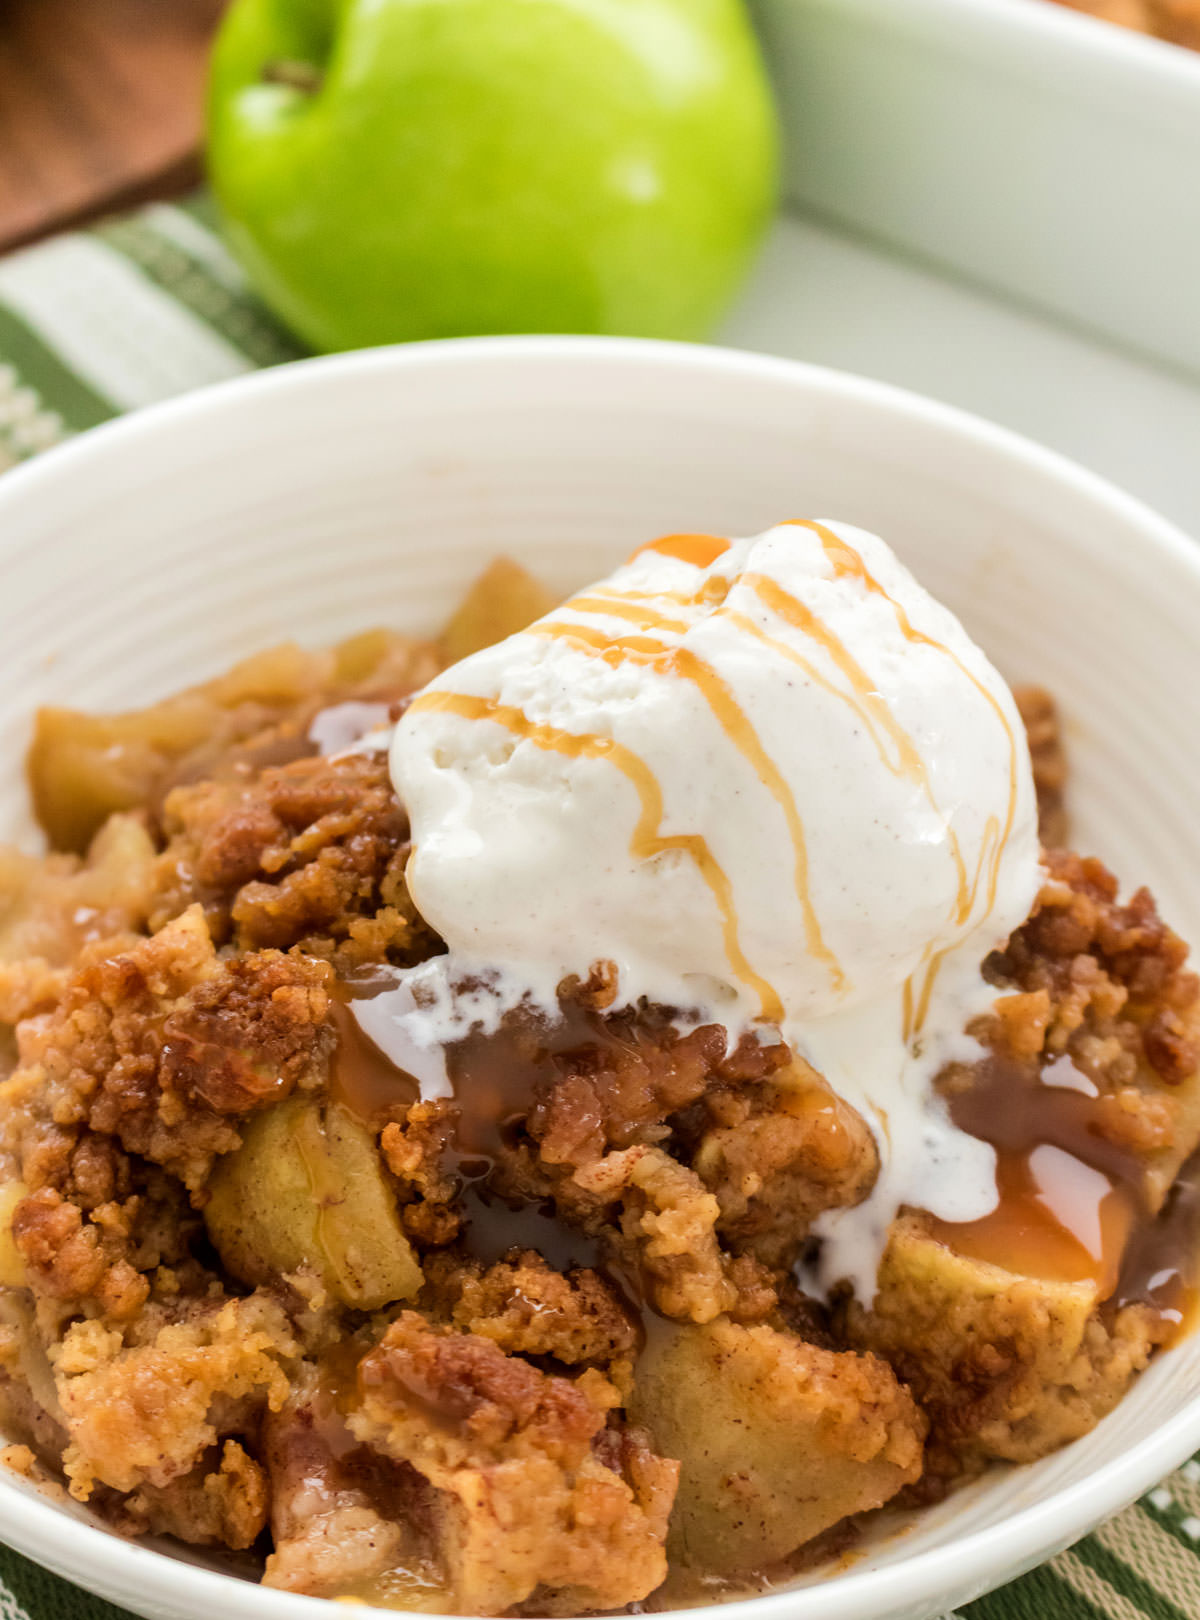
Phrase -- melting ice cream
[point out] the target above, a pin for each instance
(776, 786)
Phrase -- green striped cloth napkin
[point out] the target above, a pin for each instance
(135, 311)
(142, 308)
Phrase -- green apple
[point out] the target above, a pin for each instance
(392, 169)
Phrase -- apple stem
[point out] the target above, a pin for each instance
(296, 75)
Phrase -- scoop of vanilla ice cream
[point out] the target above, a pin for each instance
(771, 772)
(774, 783)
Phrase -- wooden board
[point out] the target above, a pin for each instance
(100, 106)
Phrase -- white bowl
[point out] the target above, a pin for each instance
(344, 492)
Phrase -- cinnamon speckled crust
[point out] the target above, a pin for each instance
(526, 1501)
(669, 1221)
(146, 1412)
(621, 1095)
(525, 1306)
(309, 854)
(774, 1157)
(524, 1432)
(1006, 1366)
(221, 1502)
(1047, 752)
(156, 1048)
(414, 1149)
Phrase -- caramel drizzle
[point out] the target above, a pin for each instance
(647, 840)
(877, 718)
(618, 607)
(906, 1008)
(871, 708)
(711, 594)
(864, 702)
(682, 662)
(931, 974)
(862, 698)
(620, 604)
(782, 650)
(701, 550)
(847, 563)
(914, 1006)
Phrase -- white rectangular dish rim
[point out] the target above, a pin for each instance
(1003, 24)
(1029, 148)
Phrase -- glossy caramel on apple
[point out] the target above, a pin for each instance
(496, 1081)
(1073, 1204)
(362, 1078)
(1161, 1265)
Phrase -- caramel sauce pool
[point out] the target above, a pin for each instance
(1073, 1204)
(495, 1082)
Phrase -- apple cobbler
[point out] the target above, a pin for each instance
(544, 1339)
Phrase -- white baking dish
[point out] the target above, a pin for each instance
(1048, 155)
